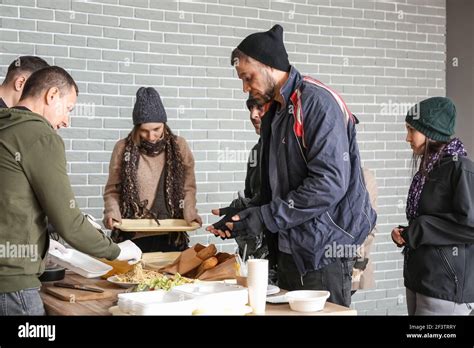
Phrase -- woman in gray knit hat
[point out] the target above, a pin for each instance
(439, 239)
(151, 175)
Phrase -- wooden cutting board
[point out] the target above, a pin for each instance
(72, 295)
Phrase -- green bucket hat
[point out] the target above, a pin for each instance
(434, 117)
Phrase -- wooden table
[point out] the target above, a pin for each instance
(55, 306)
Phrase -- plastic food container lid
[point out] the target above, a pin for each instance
(80, 263)
(159, 302)
(215, 294)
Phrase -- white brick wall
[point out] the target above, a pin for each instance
(378, 54)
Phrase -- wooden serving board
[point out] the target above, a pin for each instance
(72, 295)
(150, 225)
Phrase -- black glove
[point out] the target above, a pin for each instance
(250, 223)
(229, 212)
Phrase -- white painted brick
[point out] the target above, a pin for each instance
(56, 51)
(70, 17)
(108, 21)
(365, 305)
(78, 179)
(118, 33)
(96, 65)
(53, 27)
(9, 11)
(121, 11)
(88, 7)
(36, 13)
(155, 15)
(69, 40)
(117, 78)
(32, 37)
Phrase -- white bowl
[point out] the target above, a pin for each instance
(307, 300)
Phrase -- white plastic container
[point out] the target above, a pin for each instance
(215, 298)
(201, 298)
(159, 302)
(307, 300)
(80, 263)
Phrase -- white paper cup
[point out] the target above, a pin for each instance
(257, 282)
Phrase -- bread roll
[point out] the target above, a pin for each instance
(207, 252)
(206, 265)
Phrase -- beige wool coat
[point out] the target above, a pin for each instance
(365, 279)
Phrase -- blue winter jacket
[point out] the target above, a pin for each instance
(320, 207)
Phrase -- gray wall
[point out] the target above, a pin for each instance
(381, 56)
(460, 66)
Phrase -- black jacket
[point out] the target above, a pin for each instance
(2, 104)
(439, 257)
(252, 179)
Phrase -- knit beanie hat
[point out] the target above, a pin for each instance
(148, 107)
(434, 117)
(268, 48)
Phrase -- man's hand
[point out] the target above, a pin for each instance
(219, 229)
(397, 237)
(248, 222)
(198, 219)
(109, 223)
(130, 252)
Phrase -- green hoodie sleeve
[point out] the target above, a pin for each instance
(44, 165)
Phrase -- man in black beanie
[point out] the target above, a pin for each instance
(314, 202)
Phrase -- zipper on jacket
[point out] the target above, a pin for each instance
(350, 235)
(299, 146)
(449, 268)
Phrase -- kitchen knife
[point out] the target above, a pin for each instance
(76, 287)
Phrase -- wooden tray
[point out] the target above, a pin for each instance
(150, 225)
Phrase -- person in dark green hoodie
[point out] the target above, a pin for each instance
(35, 188)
